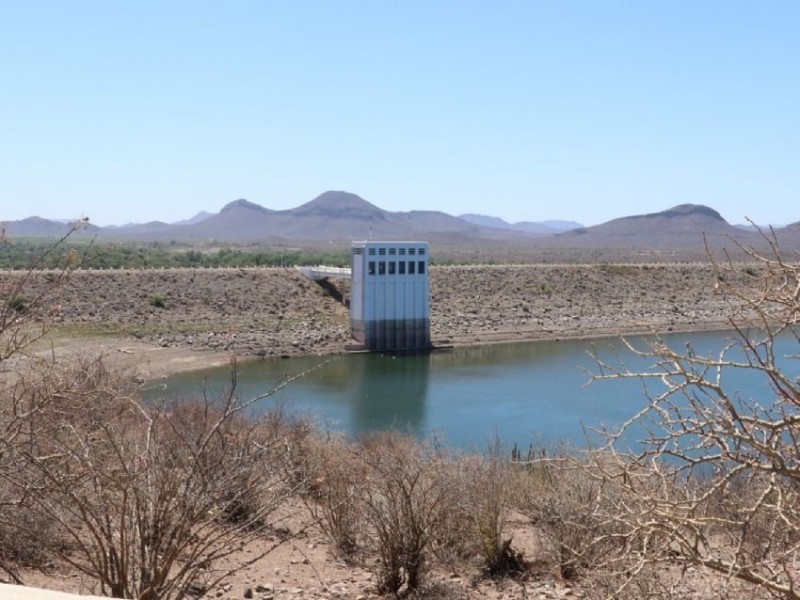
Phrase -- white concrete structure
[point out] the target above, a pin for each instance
(321, 273)
(389, 299)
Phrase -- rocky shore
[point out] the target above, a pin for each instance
(485, 304)
(195, 317)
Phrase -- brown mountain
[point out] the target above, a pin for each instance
(339, 216)
(238, 220)
(331, 216)
(39, 227)
(684, 226)
(788, 237)
(340, 205)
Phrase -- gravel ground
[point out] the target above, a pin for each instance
(483, 304)
(278, 312)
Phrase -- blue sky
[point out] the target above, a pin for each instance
(529, 110)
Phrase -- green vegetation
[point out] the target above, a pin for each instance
(21, 254)
(18, 302)
(158, 300)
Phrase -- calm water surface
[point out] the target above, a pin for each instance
(524, 393)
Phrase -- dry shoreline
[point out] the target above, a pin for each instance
(151, 362)
(207, 318)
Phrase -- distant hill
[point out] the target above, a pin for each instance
(682, 226)
(338, 216)
(39, 227)
(142, 230)
(539, 228)
(201, 216)
(331, 216)
(788, 237)
(553, 225)
(340, 205)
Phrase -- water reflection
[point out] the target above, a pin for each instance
(466, 396)
(518, 392)
(391, 392)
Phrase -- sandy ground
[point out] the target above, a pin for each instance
(304, 567)
(161, 322)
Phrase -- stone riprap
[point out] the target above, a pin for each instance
(275, 312)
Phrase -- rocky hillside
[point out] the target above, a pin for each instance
(274, 312)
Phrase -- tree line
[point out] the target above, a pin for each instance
(21, 254)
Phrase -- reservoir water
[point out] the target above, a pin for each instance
(522, 393)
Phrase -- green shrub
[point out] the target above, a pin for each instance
(18, 302)
(158, 300)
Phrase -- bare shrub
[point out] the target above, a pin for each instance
(405, 504)
(728, 459)
(19, 544)
(335, 486)
(24, 314)
(477, 526)
(561, 502)
(150, 498)
(577, 512)
(24, 319)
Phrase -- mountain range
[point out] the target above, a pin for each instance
(541, 228)
(337, 216)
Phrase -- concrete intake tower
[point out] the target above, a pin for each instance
(389, 300)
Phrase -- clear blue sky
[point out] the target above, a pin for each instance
(527, 110)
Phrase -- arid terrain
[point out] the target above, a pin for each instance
(165, 321)
(305, 567)
(190, 318)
